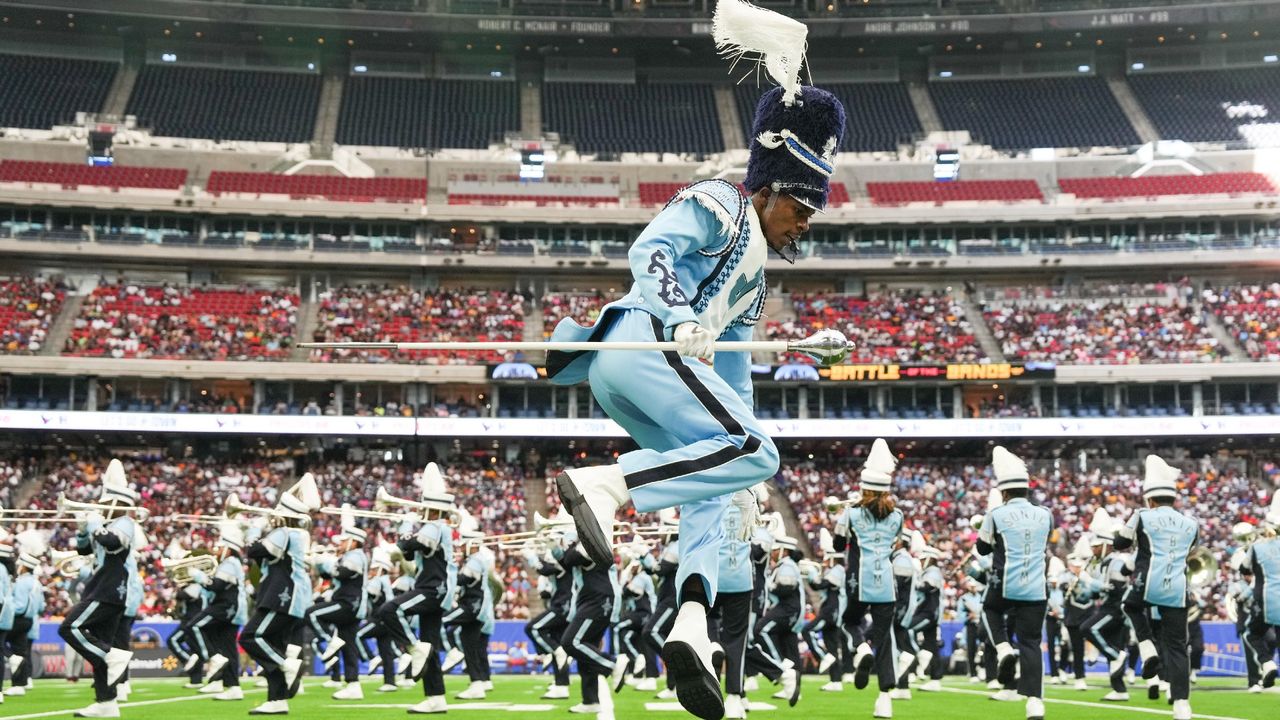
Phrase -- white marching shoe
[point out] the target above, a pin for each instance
(405, 682)
(931, 686)
(402, 663)
(687, 655)
(556, 692)
(592, 495)
(790, 682)
(884, 706)
(647, 684)
(418, 658)
(1116, 667)
(1005, 695)
(15, 691)
(190, 664)
(1181, 710)
(387, 687)
(1150, 659)
(1006, 663)
(374, 664)
(666, 694)
(216, 663)
(862, 661)
(994, 685)
(352, 691)
(974, 679)
(603, 688)
(1114, 696)
(835, 686)
(231, 693)
(734, 708)
(827, 661)
(431, 706)
(117, 662)
(452, 659)
(330, 655)
(638, 665)
(904, 664)
(108, 709)
(751, 684)
(899, 694)
(292, 666)
(272, 707)
(1255, 688)
(1035, 708)
(1081, 685)
(331, 683)
(618, 677)
(474, 691)
(924, 659)
(488, 685)
(123, 691)
(585, 709)
(1195, 676)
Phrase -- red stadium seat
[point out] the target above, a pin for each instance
(1110, 188)
(328, 187)
(74, 175)
(938, 193)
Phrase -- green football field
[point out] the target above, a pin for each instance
(165, 699)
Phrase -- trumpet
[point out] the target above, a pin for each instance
(66, 505)
(69, 562)
(832, 504)
(180, 571)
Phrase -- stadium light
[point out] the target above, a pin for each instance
(1269, 58)
(361, 68)
(1139, 66)
(1083, 69)
(944, 73)
(168, 57)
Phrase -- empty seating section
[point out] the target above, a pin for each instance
(1102, 332)
(28, 306)
(223, 104)
(39, 92)
(184, 323)
(72, 174)
(617, 118)
(402, 314)
(1155, 185)
(901, 193)
(1210, 106)
(426, 113)
(653, 194)
(879, 116)
(1251, 313)
(541, 195)
(899, 326)
(329, 187)
(1043, 112)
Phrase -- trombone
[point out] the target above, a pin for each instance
(385, 499)
(235, 506)
(195, 519)
(66, 505)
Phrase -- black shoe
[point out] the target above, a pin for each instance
(1006, 669)
(697, 687)
(862, 673)
(599, 548)
(1153, 693)
(1151, 667)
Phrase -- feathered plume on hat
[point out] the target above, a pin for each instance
(349, 529)
(1160, 479)
(302, 499)
(827, 544)
(115, 486)
(231, 535)
(6, 543)
(32, 545)
(1082, 551)
(468, 526)
(775, 41)
(434, 492)
(1011, 473)
(877, 471)
(381, 558)
(1102, 527)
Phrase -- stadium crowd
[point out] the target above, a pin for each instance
(28, 306)
(1252, 314)
(583, 307)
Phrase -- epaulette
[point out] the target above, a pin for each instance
(724, 200)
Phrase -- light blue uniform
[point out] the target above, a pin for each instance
(231, 570)
(870, 546)
(1163, 537)
(133, 593)
(28, 602)
(293, 543)
(786, 582)
(6, 599)
(735, 572)
(700, 260)
(1019, 533)
(1264, 558)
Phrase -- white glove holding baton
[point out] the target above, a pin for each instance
(693, 340)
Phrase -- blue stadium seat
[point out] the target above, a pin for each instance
(879, 116)
(1189, 105)
(619, 118)
(39, 92)
(427, 113)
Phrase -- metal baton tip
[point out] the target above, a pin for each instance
(827, 347)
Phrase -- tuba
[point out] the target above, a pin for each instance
(179, 571)
(69, 562)
(1202, 567)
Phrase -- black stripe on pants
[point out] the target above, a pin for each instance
(733, 610)
(264, 639)
(89, 628)
(1027, 618)
(20, 646)
(582, 642)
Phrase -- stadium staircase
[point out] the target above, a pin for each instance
(307, 321)
(530, 110)
(1128, 102)
(533, 332)
(327, 115)
(925, 110)
(1223, 335)
(121, 88)
(61, 328)
(981, 331)
(727, 112)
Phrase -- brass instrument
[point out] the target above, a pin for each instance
(235, 507)
(195, 519)
(69, 563)
(385, 499)
(66, 505)
(179, 571)
(1202, 567)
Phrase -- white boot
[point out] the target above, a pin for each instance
(1081, 685)
(488, 685)
(123, 690)
(387, 687)
(190, 664)
(330, 655)
(352, 691)
(117, 662)
(790, 686)
(827, 661)
(1035, 708)
(734, 708)
(556, 692)
(1255, 689)
(374, 664)
(272, 707)
(474, 691)
(618, 677)
(452, 659)
(638, 665)
(994, 685)
(292, 667)
(648, 685)
(431, 706)
(1006, 695)
(1006, 663)
(669, 694)
(836, 686)
(899, 694)
(904, 663)
(603, 688)
(925, 657)
(592, 496)
(1268, 674)
(418, 658)
(1116, 667)
(585, 709)
(884, 706)
(15, 691)
(231, 693)
(15, 662)
(1150, 659)
(932, 686)
(687, 654)
(331, 683)
(402, 663)
(974, 679)
(1181, 710)
(862, 660)
(216, 663)
(1195, 676)
(560, 656)
(1114, 696)
(107, 709)
(405, 682)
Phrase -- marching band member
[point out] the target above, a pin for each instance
(732, 611)
(1081, 591)
(639, 598)
(781, 624)
(283, 594)
(1240, 609)
(762, 539)
(25, 604)
(927, 618)
(770, 627)
(905, 570)
(1195, 632)
(1263, 559)
(1106, 628)
(1053, 631)
(473, 613)
(336, 620)
(189, 600)
(869, 530)
(969, 608)
(378, 591)
(7, 571)
(430, 547)
(822, 634)
(664, 614)
(547, 628)
(591, 613)
(1016, 534)
(1163, 538)
(90, 626)
(215, 628)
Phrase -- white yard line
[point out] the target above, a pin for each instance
(123, 705)
(1102, 706)
(505, 707)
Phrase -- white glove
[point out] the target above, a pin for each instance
(82, 521)
(693, 340)
(747, 504)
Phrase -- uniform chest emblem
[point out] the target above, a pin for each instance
(744, 286)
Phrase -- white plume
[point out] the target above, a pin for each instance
(742, 30)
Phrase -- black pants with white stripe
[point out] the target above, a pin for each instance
(1027, 617)
(1107, 631)
(823, 637)
(334, 617)
(972, 637)
(853, 631)
(373, 630)
(582, 642)
(183, 646)
(264, 639)
(655, 634)
(90, 628)
(545, 631)
(20, 647)
(1171, 641)
(732, 616)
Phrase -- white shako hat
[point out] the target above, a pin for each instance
(877, 471)
(1011, 473)
(1160, 480)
